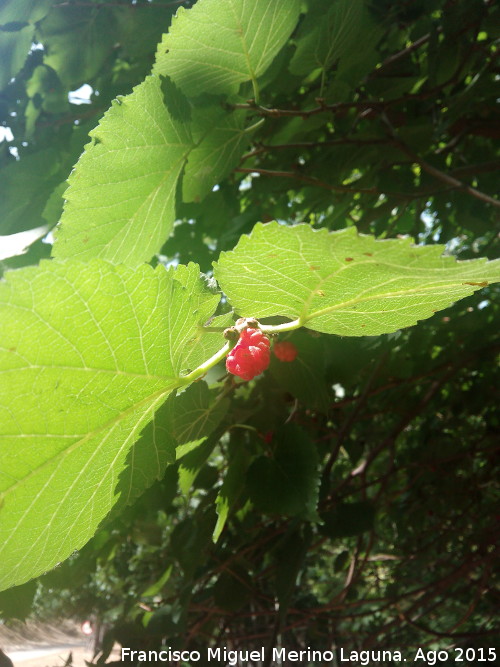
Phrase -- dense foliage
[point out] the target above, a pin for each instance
(346, 497)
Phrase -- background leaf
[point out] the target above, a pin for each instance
(217, 151)
(13, 49)
(37, 173)
(303, 378)
(333, 38)
(344, 282)
(78, 41)
(348, 519)
(194, 414)
(230, 490)
(17, 29)
(218, 44)
(287, 483)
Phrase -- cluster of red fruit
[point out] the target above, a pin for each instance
(252, 353)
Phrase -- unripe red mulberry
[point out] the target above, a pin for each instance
(250, 356)
(285, 350)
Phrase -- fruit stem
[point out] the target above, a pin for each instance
(206, 365)
(221, 354)
(280, 328)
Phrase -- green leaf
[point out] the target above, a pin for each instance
(121, 196)
(148, 458)
(288, 483)
(88, 352)
(77, 41)
(333, 37)
(17, 601)
(304, 378)
(217, 151)
(290, 558)
(343, 282)
(17, 28)
(23, 11)
(204, 301)
(230, 490)
(157, 586)
(218, 44)
(14, 48)
(194, 415)
(37, 173)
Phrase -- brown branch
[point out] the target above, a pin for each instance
(482, 167)
(98, 5)
(307, 179)
(446, 178)
(347, 425)
(265, 148)
(306, 113)
(401, 54)
(433, 171)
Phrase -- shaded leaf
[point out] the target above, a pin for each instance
(233, 588)
(35, 173)
(14, 48)
(288, 483)
(333, 37)
(190, 541)
(303, 378)
(17, 601)
(17, 28)
(194, 415)
(348, 519)
(13, 11)
(290, 558)
(77, 41)
(230, 490)
(217, 151)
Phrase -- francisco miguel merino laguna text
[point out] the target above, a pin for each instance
(235, 657)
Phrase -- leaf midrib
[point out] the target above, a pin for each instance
(374, 297)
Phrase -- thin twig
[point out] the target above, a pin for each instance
(306, 179)
(433, 171)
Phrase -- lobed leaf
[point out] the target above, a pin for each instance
(343, 282)
(333, 37)
(220, 139)
(88, 353)
(218, 44)
(120, 203)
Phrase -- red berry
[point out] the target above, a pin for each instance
(250, 356)
(285, 351)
